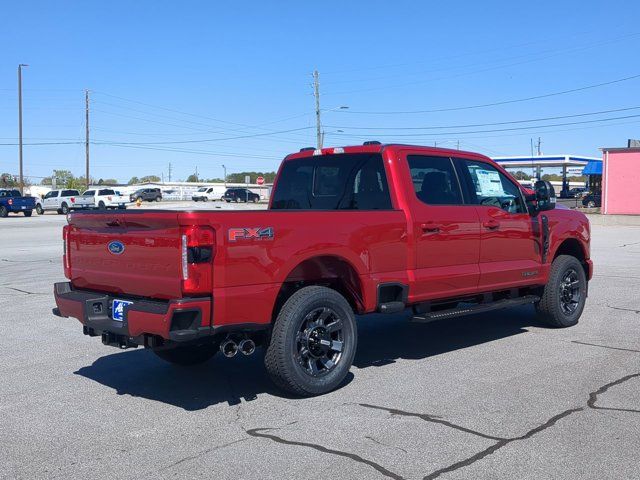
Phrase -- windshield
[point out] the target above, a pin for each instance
(333, 182)
(202, 189)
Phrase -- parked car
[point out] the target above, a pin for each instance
(12, 201)
(146, 195)
(104, 198)
(240, 195)
(573, 192)
(203, 194)
(62, 201)
(592, 200)
(353, 230)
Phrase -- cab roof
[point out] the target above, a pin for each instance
(379, 148)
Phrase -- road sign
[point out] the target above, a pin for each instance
(247, 179)
(260, 180)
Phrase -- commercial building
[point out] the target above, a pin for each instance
(621, 180)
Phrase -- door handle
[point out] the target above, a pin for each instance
(430, 228)
(491, 224)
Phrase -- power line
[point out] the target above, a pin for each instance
(484, 105)
(433, 127)
(503, 129)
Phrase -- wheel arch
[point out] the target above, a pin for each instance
(333, 271)
(574, 248)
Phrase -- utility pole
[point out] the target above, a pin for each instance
(458, 145)
(539, 145)
(316, 93)
(86, 136)
(20, 124)
(169, 172)
(197, 178)
(225, 176)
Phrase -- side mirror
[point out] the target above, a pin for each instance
(545, 196)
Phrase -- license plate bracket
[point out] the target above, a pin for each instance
(118, 309)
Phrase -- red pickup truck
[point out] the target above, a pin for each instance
(351, 230)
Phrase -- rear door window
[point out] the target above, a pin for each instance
(434, 180)
(333, 182)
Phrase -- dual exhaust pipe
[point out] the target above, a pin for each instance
(229, 348)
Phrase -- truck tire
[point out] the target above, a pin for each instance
(27, 213)
(39, 209)
(64, 209)
(3, 211)
(188, 355)
(102, 206)
(313, 342)
(565, 294)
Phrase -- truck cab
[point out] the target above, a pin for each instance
(350, 230)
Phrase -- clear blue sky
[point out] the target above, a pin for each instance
(239, 69)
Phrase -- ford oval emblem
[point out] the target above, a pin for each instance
(116, 247)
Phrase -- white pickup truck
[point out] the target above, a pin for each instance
(62, 201)
(104, 198)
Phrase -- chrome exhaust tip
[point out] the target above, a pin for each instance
(247, 346)
(229, 348)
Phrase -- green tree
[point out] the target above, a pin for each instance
(150, 179)
(7, 180)
(133, 180)
(239, 177)
(520, 175)
(215, 180)
(192, 178)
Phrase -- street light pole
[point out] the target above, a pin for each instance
(316, 93)
(20, 124)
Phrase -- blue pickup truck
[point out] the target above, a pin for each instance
(13, 201)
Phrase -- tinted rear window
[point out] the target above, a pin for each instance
(106, 192)
(333, 182)
(70, 193)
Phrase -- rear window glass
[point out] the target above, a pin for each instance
(333, 182)
(106, 192)
(89, 193)
(70, 193)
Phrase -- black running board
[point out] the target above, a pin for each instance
(470, 309)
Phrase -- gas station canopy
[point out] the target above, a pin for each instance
(557, 161)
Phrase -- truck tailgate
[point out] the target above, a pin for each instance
(139, 255)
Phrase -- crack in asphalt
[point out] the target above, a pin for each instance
(605, 346)
(204, 452)
(497, 446)
(384, 444)
(25, 291)
(502, 442)
(258, 432)
(593, 396)
(629, 244)
(624, 309)
(432, 419)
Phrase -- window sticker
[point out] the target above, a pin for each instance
(490, 183)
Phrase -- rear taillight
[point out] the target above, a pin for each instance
(109, 198)
(10, 202)
(66, 254)
(197, 247)
(73, 199)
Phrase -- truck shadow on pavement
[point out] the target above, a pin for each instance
(382, 340)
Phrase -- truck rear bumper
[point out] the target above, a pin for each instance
(143, 320)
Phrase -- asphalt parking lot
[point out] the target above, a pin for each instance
(495, 395)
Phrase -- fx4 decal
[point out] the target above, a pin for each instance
(253, 233)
